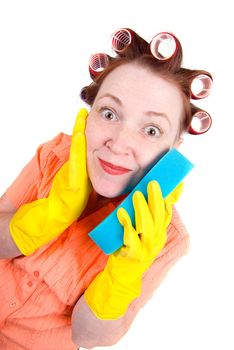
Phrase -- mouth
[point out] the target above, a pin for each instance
(113, 169)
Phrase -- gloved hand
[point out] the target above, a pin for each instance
(113, 289)
(35, 224)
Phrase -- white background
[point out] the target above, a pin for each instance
(44, 50)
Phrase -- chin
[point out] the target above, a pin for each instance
(108, 193)
(108, 190)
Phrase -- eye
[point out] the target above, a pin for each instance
(153, 131)
(108, 114)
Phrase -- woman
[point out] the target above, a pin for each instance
(58, 290)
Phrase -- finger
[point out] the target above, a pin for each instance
(157, 207)
(170, 200)
(168, 216)
(78, 139)
(78, 145)
(80, 121)
(143, 218)
(77, 157)
(77, 161)
(78, 151)
(131, 238)
(173, 197)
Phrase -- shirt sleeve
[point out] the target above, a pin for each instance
(25, 187)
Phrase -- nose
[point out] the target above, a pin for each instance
(121, 141)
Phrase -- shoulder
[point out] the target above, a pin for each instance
(34, 180)
(51, 155)
(177, 224)
(59, 146)
(178, 239)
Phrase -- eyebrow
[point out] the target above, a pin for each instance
(158, 114)
(115, 98)
(148, 113)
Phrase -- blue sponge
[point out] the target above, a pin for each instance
(169, 171)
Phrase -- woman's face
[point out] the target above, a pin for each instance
(134, 120)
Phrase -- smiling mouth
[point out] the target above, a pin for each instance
(113, 169)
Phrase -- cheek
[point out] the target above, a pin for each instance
(148, 159)
(93, 134)
(88, 133)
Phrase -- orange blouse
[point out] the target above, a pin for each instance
(38, 292)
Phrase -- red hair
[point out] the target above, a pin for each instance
(139, 53)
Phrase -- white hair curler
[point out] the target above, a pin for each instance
(201, 86)
(201, 122)
(163, 46)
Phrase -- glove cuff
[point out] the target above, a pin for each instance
(109, 299)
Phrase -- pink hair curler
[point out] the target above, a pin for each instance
(121, 39)
(201, 122)
(163, 46)
(201, 86)
(97, 63)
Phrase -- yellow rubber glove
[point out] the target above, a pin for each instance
(36, 223)
(113, 289)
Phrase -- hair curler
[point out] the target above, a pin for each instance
(201, 86)
(97, 63)
(201, 122)
(163, 46)
(121, 39)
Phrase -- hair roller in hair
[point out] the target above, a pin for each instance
(201, 86)
(200, 123)
(121, 39)
(83, 93)
(97, 63)
(163, 46)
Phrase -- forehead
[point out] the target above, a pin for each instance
(134, 84)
